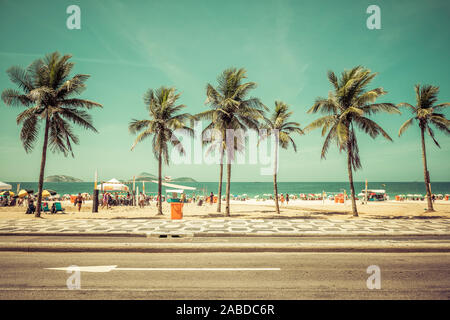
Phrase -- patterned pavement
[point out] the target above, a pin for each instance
(295, 227)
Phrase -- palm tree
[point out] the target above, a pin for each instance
(232, 110)
(424, 113)
(216, 142)
(348, 106)
(164, 119)
(279, 125)
(47, 90)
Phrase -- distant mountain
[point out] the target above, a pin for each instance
(61, 178)
(145, 176)
(183, 179)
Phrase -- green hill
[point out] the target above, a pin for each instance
(145, 176)
(61, 178)
(183, 179)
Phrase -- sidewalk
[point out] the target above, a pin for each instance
(227, 227)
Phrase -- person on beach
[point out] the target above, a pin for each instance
(282, 199)
(287, 198)
(30, 207)
(141, 200)
(105, 200)
(211, 198)
(79, 201)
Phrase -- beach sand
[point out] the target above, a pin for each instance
(251, 209)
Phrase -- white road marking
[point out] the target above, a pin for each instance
(112, 268)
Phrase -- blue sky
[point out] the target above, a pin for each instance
(285, 46)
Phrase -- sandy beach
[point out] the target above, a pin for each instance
(250, 209)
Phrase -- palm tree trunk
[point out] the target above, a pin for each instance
(275, 186)
(41, 172)
(219, 199)
(425, 171)
(227, 208)
(160, 184)
(350, 179)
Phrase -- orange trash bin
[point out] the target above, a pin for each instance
(341, 200)
(176, 210)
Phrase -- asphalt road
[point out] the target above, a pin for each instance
(301, 276)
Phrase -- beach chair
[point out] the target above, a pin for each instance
(44, 207)
(56, 207)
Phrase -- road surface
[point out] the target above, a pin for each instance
(300, 276)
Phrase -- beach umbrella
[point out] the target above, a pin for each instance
(22, 193)
(52, 192)
(46, 194)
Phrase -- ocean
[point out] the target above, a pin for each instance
(256, 188)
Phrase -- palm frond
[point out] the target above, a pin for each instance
(21, 78)
(14, 98)
(29, 132)
(405, 126)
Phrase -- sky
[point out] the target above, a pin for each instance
(287, 47)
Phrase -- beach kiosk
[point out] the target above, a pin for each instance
(374, 195)
(113, 185)
(176, 206)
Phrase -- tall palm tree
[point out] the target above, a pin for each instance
(348, 107)
(279, 125)
(424, 113)
(47, 90)
(217, 143)
(231, 109)
(165, 117)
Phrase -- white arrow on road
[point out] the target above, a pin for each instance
(111, 268)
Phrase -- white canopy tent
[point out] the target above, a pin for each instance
(112, 185)
(174, 191)
(171, 185)
(5, 186)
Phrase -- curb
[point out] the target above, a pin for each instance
(225, 234)
(220, 247)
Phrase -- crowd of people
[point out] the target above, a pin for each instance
(109, 199)
(7, 201)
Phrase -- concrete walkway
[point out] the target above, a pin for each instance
(227, 227)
